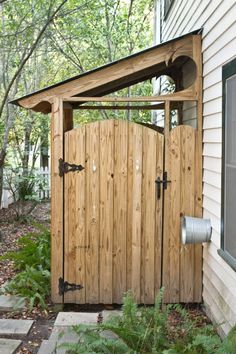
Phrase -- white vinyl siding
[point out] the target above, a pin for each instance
(218, 20)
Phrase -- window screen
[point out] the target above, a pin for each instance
(167, 6)
(230, 166)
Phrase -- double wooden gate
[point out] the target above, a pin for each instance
(122, 215)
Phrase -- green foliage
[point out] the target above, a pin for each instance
(32, 260)
(229, 343)
(147, 330)
(31, 283)
(34, 250)
(83, 35)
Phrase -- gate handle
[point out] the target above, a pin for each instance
(158, 182)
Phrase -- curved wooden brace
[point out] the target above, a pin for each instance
(41, 106)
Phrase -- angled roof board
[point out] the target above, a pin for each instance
(113, 76)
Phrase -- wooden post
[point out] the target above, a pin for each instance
(166, 209)
(61, 120)
(198, 189)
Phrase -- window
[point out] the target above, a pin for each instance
(167, 6)
(228, 241)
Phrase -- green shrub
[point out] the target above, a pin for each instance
(32, 260)
(140, 330)
(147, 330)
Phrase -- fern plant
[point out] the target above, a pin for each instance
(138, 330)
(32, 261)
(147, 330)
(34, 250)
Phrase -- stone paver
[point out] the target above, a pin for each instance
(18, 327)
(106, 314)
(9, 346)
(62, 332)
(11, 303)
(75, 318)
(60, 335)
(46, 347)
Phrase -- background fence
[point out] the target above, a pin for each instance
(41, 189)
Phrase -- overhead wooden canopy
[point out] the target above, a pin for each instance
(164, 59)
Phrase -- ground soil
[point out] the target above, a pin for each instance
(11, 230)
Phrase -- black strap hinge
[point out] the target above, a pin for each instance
(64, 286)
(65, 167)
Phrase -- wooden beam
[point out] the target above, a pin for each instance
(178, 96)
(110, 74)
(144, 107)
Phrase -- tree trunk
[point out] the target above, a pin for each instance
(2, 159)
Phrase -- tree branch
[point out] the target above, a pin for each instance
(26, 58)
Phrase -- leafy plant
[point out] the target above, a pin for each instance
(33, 284)
(138, 330)
(148, 330)
(33, 261)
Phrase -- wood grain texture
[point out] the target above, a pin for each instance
(113, 77)
(137, 165)
(130, 205)
(187, 207)
(159, 217)
(120, 210)
(106, 209)
(197, 52)
(70, 217)
(80, 215)
(166, 209)
(113, 231)
(174, 191)
(179, 260)
(149, 234)
(56, 199)
(184, 95)
(92, 212)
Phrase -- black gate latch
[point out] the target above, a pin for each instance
(158, 182)
(64, 286)
(65, 167)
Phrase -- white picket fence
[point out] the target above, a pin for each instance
(42, 191)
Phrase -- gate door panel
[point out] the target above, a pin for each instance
(181, 263)
(112, 216)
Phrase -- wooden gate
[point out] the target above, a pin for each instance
(119, 232)
(112, 217)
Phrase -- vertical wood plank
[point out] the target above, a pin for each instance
(179, 259)
(148, 215)
(129, 206)
(80, 213)
(174, 214)
(136, 140)
(187, 179)
(120, 209)
(56, 199)
(166, 210)
(158, 216)
(197, 54)
(106, 209)
(70, 217)
(92, 212)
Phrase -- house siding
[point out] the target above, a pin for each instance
(218, 20)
